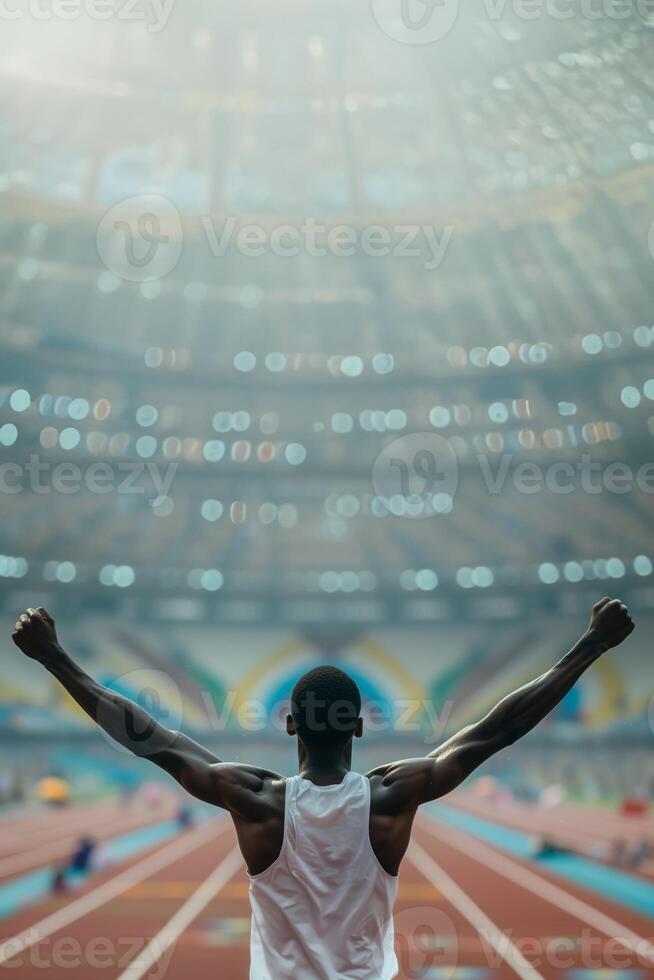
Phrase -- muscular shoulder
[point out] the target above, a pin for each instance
(398, 786)
(249, 792)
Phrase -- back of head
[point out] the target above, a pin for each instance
(325, 705)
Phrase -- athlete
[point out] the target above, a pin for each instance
(323, 848)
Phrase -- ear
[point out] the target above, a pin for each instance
(290, 725)
(358, 728)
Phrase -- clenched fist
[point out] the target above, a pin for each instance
(35, 634)
(610, 623)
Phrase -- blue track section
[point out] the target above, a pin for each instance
(618, 886)
(36, 885)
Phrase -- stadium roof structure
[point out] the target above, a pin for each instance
(385, 255)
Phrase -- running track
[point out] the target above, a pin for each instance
(581, 828)
(46, 838)
(179, 911)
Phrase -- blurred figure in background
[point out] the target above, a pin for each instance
(6, 782)
(80, 863)
(184, 816)
(619, 853)
(82, 859)
(546, 847)
(59, 886)
(641, 853)
(53, 791)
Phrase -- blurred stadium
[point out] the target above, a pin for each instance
(403, 422)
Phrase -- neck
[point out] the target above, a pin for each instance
(324, 765)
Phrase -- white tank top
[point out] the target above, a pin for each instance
(324, 909)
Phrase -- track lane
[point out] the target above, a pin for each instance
(186, 914)
(60, 844)
(486, 928)
(559, 825)
(18, 832)
(434, 933)
(65, 919)
(533, 907)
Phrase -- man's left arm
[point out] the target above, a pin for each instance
(411, 782)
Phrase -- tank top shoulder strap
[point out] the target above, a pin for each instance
(362, 784)
(363, 787)
(291, 786)
(363, 781)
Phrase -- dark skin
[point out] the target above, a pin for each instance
(254, 797)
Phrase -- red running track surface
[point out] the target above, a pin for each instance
(180, 911)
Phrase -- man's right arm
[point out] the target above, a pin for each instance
(198, 770)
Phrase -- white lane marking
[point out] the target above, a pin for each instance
(108, 890)
(34, 859)
(541, 887)
(470, 911)
(51, 826)
(554, 824)
(184, 916)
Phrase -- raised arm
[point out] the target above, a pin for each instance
(199, 771)
(409, 783)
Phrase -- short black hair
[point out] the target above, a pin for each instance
(325, 705)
